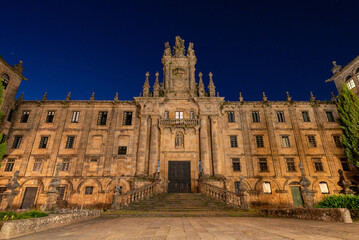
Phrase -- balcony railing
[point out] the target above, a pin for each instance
(179, 122)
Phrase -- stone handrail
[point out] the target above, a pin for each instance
(135, 195)
(181, 122)
(220, 194)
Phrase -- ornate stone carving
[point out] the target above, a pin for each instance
(92, 98)
(179, 50)
(289, 98)
(146, 86)
(44, 98)
(211, 87)
(167, 51)
(68, 98)
(240, 99)
(308, 195)
(190, 51)
(344, 183)
(156, 86)
(201, 91)
(312, 98)
(179, 143)
(18, 67)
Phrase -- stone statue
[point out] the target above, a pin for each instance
(308, 195)
(10, 193)
(242, 192)
(344, 183)
(179, 47)
(190, 51)
(167, 51)
(179, 140)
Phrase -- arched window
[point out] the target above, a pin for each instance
(6, 80)
(267, 188)
(357, 71)
(350, 82)
(324, 187)
(348, 77)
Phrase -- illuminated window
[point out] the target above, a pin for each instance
(351, 84)
(179, 115)
(267, 188)
(285, 141)
(324, 187)
(280, 116)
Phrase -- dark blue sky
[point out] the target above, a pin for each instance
(250, 46)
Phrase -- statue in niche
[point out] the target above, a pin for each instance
(179, 140)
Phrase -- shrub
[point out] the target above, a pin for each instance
(339, 201)
(10, 215)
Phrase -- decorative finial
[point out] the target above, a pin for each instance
(289, 98)
(92, 97)
(167, 51)
(264, 98)
(334, 98)
(146, 86)
(211, 87)
(334, 63)
(44, 98)
(68, 97)
(21, 98)
(240, 97)
(156, 86)
(201, 91)
(116, 97)
(336, 68)
(190, 51)
(312, 98)
(179, 47)
(18, 67)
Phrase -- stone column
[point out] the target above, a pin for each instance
(215, 142)
(154, 151)
(142, 145)
(205, 161)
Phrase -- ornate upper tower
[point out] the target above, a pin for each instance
(179, 70)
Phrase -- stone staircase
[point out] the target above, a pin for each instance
(179, 205)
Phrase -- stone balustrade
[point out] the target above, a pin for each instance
(220, 194)
(179, 122)
(135, 195)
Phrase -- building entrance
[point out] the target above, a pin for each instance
(297, 196)
(29, 198)
(179, 176)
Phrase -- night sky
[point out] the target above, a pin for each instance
(108, 46)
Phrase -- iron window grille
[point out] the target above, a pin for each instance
(260, 141)
(306, 117)
(127, 118)
(234, 142)
(25, 116)
(102, 118)
(43, 142)
(17, 142)
(236, 164)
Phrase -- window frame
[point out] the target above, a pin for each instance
(50, 116)
(102, 118)
(322, 188)
(231, 117)
(89, 190)
(285, 141)
(305, 116)
(345, 164)
(233, 141)
(256, 117)
(337, 142)
(318, 165)
(236, 165)
(179, 115)
(259, 141)
(44, 140)
(122, 150)
(10, 163)
(75, 116)
(280, 116)
(330, 116)
(70, 142)
(263, 165)
(37, 166)
(290, 162)
(312, 141)
(127, 118)
(25, 116)
(17, 142)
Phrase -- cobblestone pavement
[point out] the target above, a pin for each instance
(243, 228)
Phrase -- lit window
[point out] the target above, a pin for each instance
(255, 116)
(285, 141)
(259, 141)
(324, 187)
(311, 141)
(236, 164)
(50, 116)
(230, 116)
(89, 190)
(267, 188)
(351, 84)
(290, 164)
(233, 140)
(280, 116)
(102, 118)
(17, 142)
(179, 115)
(306, 117)
(75, 117)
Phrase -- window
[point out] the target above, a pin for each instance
(75, 117)
(311, 141)
(122, 150)
(37, 165)
(345, 164)
(6, 80)
(318, 165)
(11, 115)
(267, 188)
(179, 115)
(263, 166)
(70, 142)
(158, 165)
(330, 116)
(24, 116)
(93, 160)
(166, 115)
(102, 118)
(337, 142)
(233, 140)
(290, 164)
(17, 142)
(43, 142)
(9, 165)
(255, 116)
(191, 115)
(50, 116)
(351, 84)
(236, 164)
(127, 118)
(230, 116)
(65, 165)
(88, 190)
(324, 187)
(61, 194)
(285, 141)
(259, 141)
(280, 116)
(306, 117)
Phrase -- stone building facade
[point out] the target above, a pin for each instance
(175, 133)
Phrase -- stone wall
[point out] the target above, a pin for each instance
(322, 214)
(22, 227)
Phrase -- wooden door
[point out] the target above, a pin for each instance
(29, 198)
(297, 196)
(179, 176)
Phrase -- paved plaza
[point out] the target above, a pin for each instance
(208, 228)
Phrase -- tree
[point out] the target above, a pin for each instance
(348, 108)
